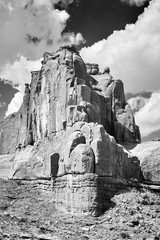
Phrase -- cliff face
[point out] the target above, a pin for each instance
(62, 93)
(63, 130)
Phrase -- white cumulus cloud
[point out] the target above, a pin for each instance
(148, 117)
(133, 54)
(19, 73)
(15, 104)
(137, 103)
(28, 29)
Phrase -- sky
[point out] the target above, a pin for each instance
(121, 34)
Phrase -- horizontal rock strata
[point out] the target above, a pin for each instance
(88, 193)
(67, 130)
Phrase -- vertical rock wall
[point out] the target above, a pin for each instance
(62, 93)
(61, 132)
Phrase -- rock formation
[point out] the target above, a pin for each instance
(68, 129)
(6, 162)
(92, 69)
(149, 155)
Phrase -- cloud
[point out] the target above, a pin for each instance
(133, 54)
(139, 94)
(72, 38)
(15, 104)
(137, 103)
(135, 2)
(19, 73)
(28, 29)
(138, 100)
(50, 3)
(148, 117)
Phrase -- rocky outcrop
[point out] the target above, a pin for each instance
(66, 130)
(9, 129)
(149, 155)
(85, 164)
(82, 148)
(92, 69)
(62, 93)
(6, 162)
(123, 124)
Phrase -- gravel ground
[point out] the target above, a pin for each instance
(28, 213)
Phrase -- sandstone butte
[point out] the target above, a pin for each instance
(69, 131)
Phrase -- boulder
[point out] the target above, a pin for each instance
(82, 159)
(149, 155)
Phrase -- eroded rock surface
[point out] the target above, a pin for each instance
(92, 69)
(67, 129)
(149, 155)
(6, 162)
(62, 93)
